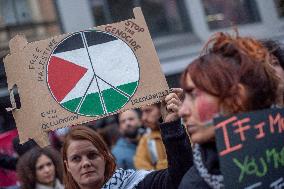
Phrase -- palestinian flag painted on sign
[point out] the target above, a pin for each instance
(92, 73)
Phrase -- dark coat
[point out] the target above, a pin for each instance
(192, 179)
(179, 156)
(8, 162)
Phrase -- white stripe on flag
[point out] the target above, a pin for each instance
(115, 62)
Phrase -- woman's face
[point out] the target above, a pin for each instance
(198, 108)
(45, 170)
(150, 116)
(85, 163)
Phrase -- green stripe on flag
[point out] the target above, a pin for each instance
(71, 105)
(128, 88)
(113, 100)
(92, 105)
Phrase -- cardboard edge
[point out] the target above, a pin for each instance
(17, 43)
(137, 11)
(138, 14)
(41, 139)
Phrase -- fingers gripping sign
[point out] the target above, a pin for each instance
(171, 104)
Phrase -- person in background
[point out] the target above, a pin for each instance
(57, 137)
(109, 133)
(40, 168)
(9, 162)
(8, 179)
(276, 49)
(151, 153)
(21, 149)
(125, 148)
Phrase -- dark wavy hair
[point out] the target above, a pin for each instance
(275, 48)
(84, 133)
(228, 61)
(26, 166)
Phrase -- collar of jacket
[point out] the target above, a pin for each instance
(58, 185)
(155, 134)
(126, 143)
(210, 157)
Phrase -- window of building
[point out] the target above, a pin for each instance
(280, 7)
(226, 13)
(14, 12)
(34, 19)
(163, 17)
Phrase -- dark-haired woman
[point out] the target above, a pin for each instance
(234, 75)
(40, 168)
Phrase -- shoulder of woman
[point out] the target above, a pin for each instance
(192, 179)
(126, 179)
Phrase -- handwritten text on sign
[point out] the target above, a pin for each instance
(251, 148)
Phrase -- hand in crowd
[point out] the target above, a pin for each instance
(171, 104)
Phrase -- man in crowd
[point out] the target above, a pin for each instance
(125, 148)
(151, 152)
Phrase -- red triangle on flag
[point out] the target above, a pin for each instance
(63, 76)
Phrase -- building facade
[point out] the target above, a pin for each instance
(180, 28)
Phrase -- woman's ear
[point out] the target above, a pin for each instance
(236, 101)
(242, 97)
(66, 165)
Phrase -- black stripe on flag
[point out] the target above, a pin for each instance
(96, 38)
(73, 42)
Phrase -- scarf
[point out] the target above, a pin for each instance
(214, 181)
(58, 185)
(125, 179)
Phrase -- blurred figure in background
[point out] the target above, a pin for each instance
(125, 148)
(110, 134)
(40, 168)
(107, 127)
(276, 50)
(8, 159)
(57, 137)
(151, 152)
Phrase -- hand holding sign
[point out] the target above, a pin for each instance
(171, 105)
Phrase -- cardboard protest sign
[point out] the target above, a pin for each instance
(251, 149)
(83, 76)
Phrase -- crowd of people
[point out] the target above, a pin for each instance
(166, 145)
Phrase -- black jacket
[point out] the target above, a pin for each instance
(8, 162)
(179, 157)
(192, 179)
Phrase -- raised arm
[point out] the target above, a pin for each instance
(177, 146)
